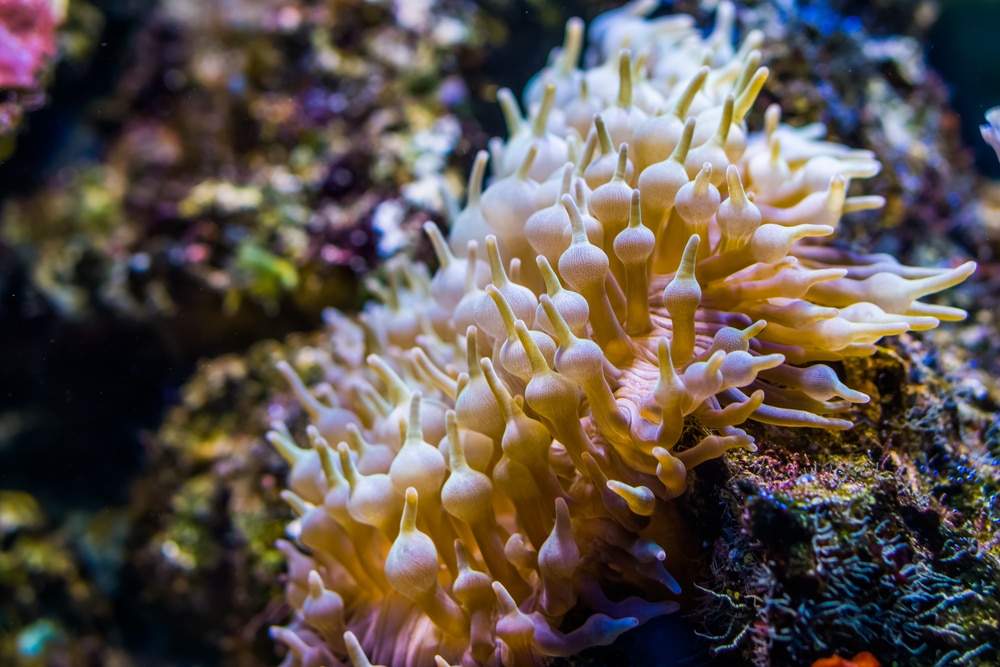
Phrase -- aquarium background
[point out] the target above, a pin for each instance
(161, 180)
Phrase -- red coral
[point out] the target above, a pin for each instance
(27, 39)
(863, 659)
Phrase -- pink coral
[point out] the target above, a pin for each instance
(27, 41)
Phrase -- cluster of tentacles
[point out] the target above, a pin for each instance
(495, 446)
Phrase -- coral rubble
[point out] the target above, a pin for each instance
(496, 449)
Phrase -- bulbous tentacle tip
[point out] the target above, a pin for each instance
(529, 159)
(542, 117)
(603, 135)
(278, 633)
(355, 653)
(511, 110)
(572, 44)
(409, 521)
(598, 630)
(305, 654)
(671, 472)
(640, 499)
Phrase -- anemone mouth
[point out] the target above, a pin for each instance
(642, 277)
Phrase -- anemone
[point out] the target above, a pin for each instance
(500, 441)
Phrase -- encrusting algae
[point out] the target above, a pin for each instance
(495, 446)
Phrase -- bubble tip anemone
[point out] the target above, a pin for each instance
(506, 432)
